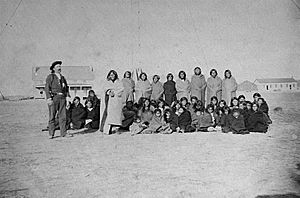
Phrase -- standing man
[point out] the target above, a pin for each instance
(198, 85)
(56, 92)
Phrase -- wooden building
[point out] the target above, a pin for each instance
(276, 84)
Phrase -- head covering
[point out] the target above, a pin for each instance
(55, 63)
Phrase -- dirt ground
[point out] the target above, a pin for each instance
(175, 165)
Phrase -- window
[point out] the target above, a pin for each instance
(287, 85)
(275, 85)
(294, 85)
(267, 87)
(74, 88)
(280, 85)
(270, 86)
(86, 88)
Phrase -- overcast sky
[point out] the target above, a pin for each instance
(255, 39)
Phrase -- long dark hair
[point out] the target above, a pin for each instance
(170, 75)
(182, 72)
(126, 73)
(115, 73)
(143, 73)
(227, 70)
(211, 71)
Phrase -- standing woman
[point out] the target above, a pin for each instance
(143, 87)
(183, 86)
(128, 84)
(157, 88)
(214, 85)
(229, 87)
(170, 90)
(111, 107)
(198, 85)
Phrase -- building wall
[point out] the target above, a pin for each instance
(73, 90)
(270, 87)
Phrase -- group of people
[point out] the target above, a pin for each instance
(88, 116)
(239, 116)
(180, 105)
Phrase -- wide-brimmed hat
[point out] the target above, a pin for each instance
(55, 63)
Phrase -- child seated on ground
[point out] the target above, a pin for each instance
(185, 103)
(203, 121)
(76, 115)
(263, 106)
(214, 102)
(146, 112)
(211, 111)
(137, 126)
(241, 98)
(222, 104)
(224, 119)
(157, 124)
(161, 105)
(194, 100)
(92, 116)
(247, 112)
(184, 120)
(234, 104)
(129, 113)
(171, 119)
(255, 97)
(237, 123)
(258, 120)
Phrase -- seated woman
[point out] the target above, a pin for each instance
(241, 98)
(234, 104)
(175, 106)
(257, 121)
(255, 97)
(76, 115)
(214, 102)
(137, 126)
(146, 112)
(263, 106)
(95, 100)
(92, 120)
(194, 100)
(157, 124)
(214, 117)
(129, 114)
(184, 120)
(184, 102)
(224, 119)
(171, 119)
(222, 103)
(202, 121)
(247, 111)
(161, 105)
(237, 123)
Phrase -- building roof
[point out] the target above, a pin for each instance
(72, 73)
(276, 80)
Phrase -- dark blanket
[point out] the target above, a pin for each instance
(185, 121)
(237, 125)
(76, 116)
(169, 92)
(94, 116)
(264, 108)
(129, 114)
(172, 121)
(258, 122)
